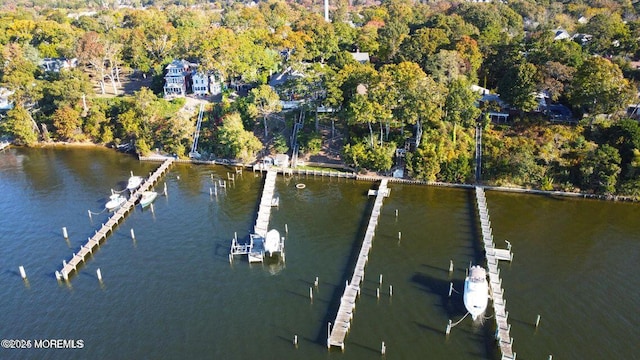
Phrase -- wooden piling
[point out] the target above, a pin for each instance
(23, 274)
(537, 321)
(64, 232)
(99, 274)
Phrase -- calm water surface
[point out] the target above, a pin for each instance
(171, 293)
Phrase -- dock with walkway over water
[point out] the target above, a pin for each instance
(342, 322)
(493, 255)
(107, 228)
(255, 248)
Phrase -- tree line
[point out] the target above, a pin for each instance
(414, 93)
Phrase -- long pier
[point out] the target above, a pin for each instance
(266, 202)
(505, 341)
(101, 235)
(342, 323)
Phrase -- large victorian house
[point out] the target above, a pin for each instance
(182, 77)
(177, 78)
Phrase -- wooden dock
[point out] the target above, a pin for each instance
(266, 203)
(107, 228)
(505, 341)
(342, 323)
(255, 248)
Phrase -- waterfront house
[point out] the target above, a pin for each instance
(177, 78)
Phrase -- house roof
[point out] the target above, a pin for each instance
(360, 56)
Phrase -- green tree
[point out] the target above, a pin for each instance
(518, 86)
(600, 170)
(67, 122)
(263, 101)
(234, 141)
(459, 105)
(599, 87)
(20, 126)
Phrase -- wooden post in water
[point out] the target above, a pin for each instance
(450, 288)
(378, 293)
(390, 290)
(396, 212)
(89, 211)
(99, 274)
(383, 349)
(295, 340)
(399, 236)
(64, 232)
(450, 266)
(328, 334)
(311, 294)
(133, 235)
(537, 321)
(380, 279)
(22, 273)
(448, 330)
(315, 283)
(165, 189)
(151, 206)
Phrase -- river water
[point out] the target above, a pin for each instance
(172, 293)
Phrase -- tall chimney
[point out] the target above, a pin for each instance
(326, 10)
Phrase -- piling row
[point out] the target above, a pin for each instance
(342, 323)
(505, 341)
(266, 202)
(107, 228)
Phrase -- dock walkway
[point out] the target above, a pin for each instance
(342, 323)
(255, 249)
(107, 228)
(493, 255)
(266, 203)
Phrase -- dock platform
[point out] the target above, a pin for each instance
(493, 256)
(255, 248)
(342, 322)
(107, 228)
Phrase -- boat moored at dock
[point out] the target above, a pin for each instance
(115, 201)
(147, 198)
(134, 182)
(476, 292)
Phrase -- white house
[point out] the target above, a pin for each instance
(205, 84)
(176, 78)
(5, 103)
(200, 85)
(57, 64)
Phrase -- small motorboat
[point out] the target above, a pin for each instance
(115, 201)
(272, 242)
(147, 198)
(476, 292)
(134, 182)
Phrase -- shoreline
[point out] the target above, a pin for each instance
(353, 175)
(373, 178)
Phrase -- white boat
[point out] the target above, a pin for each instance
(147, 198)
(272, 242)
(115, 201)
(476, 291)
(134, 182)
